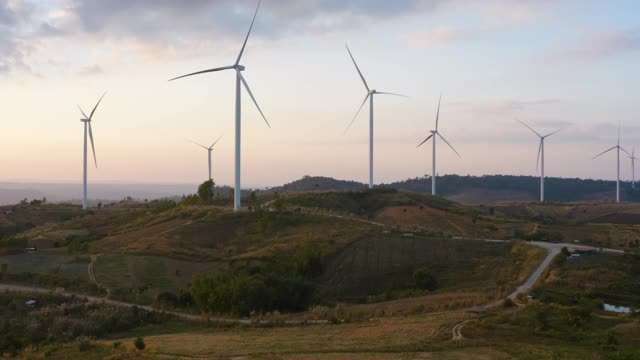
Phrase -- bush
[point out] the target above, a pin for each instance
(508, 303)
(139, 343)
(205, 191)
(424, 279)
(84, 345)
(271, 287)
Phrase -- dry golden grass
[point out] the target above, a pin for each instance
(381, 335)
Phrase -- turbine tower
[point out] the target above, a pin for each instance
(238, 133)
(618, 148)
(87, 129)
(209, 151)
(540, 159)
(633, 167)
(369, 96)
(433, 135)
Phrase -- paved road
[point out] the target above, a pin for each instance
(553, 250)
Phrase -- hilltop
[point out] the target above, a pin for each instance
(488, 189)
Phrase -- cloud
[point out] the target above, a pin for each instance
(503, 107)
(597, 46)
(91, 71)
(438, 36)
(9, 51)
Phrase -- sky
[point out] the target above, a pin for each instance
(561, 64)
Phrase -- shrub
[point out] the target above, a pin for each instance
(84, 345)
(508, 303)
(205, 191)
(424, 279)
(139, 343)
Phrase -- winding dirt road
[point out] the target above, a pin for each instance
(552, 251)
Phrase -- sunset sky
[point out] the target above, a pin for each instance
(569, 64)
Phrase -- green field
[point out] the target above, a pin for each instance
(38, 262)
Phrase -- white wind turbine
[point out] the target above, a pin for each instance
(369, 96)
(540, 159)
(87, 129)
(633, 167)
(239, 80)
(209, 151)
(433, 135)
(618, 148)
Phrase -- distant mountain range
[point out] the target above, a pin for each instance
(464, 189)
(484, 189)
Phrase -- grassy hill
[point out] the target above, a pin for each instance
(488, 189)
(349, 256)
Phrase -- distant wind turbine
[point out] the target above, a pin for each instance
(209, 151)
(87, 129)
(633, 167)
(239, 80)
(618, 148)
(369, 96)
(540, 159)
(433, 135)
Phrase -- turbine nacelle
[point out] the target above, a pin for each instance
(239, 67)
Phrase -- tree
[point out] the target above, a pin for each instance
(139, 343)
(278, 203)
(205, 190)
(424, 279)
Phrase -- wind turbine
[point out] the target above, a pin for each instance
(540, 159)
(209, 151)
(633, 167)
(433, 135)
(239, 80)
(87, 129)
(618, 148)
(369, 96)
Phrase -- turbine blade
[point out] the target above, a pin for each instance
(95, 107)
(619, 132)
(202, 146)
(83, 114)
(92, 145)
(446, 142)
(604, 152)
(394, 94)
(553, 133)
(215, 142)
(203, 72)
(539, 153)
(246, 86)
(529, 127)
(438, 113)
(357, 113)
(625, 151)
(357, 68)
(244, 45)
(425, 140)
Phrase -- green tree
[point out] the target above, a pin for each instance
(424, 279)
(205, 191)
(139, 343)
(278, 203)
